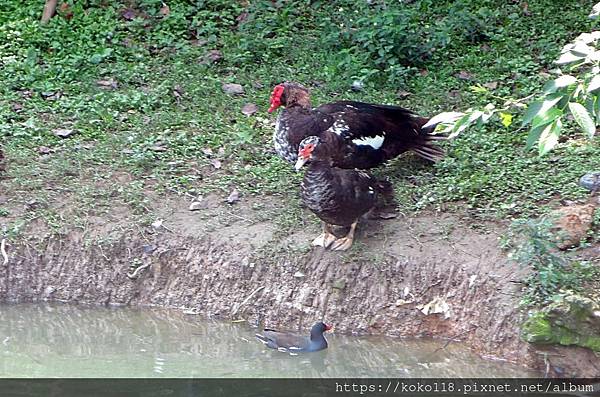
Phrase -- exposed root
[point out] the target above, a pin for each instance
(3, 252)
(133, 275)
(245, 301)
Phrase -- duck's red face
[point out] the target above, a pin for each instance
(304, 154)
(276, 97)
(328, 327)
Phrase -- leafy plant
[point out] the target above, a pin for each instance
(532, 244)
(574, 94)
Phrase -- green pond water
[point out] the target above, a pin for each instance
(50, 340)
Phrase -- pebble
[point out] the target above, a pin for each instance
(233, 89)
(590, 181)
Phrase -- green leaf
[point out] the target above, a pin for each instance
(540, 107)
(464, 122)
(594, 83)
(443, 118)
(597, 109)
(583, 118)
(506, 119)
(533, 137)
(568, 57)
(545, 118)
(562, 81)
(549, 137)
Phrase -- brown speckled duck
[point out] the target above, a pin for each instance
(360, 135)
(337, 196)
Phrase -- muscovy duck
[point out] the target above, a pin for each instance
(291, 343)
(337, 196)
(362, 135)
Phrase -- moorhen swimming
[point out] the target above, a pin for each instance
(363, 135)
(291, 343)
(337, 196)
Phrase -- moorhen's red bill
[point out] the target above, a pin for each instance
(291, 343)
(362, 135)
(337, 196)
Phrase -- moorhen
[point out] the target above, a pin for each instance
(291, 343)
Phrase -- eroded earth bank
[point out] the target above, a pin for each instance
(433, 275)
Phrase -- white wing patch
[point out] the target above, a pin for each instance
(375, 142)
(339, 127)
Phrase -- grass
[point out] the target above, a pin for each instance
(152, 129)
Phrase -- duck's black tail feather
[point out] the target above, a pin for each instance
(426, 146)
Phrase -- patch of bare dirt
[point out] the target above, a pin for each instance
(432, 275)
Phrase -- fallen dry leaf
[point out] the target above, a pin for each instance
(401, 94)
(108, 83)
(207, 151)
(464, 75)
(165, 10)
(492, 85)
(128, 14)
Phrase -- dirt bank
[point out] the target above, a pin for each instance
(231, 261)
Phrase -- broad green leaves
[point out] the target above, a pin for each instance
(583, 118)
(576, 95)
(549, 137)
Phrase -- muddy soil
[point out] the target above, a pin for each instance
(434, 275)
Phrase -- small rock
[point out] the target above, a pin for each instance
(233, 89)
(234, 197)
(44, 150)
(221, 151)
(299, 274)
(249, 109)
(357, 86)
(572, 224)
(492, 85)
(51, 96)
(178, 92)
(197, 205)
(128, 14)
(158, 148)
(148, 249)
(212, 56)
(127, 151)
(17, 107)
(157, 224)
(216, 163)
(63, 132)
(208, 151)
(401, 94)
(339, 284)
(590, 181)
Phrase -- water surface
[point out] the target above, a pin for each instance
(42, 340)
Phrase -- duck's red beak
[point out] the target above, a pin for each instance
(328, 327)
